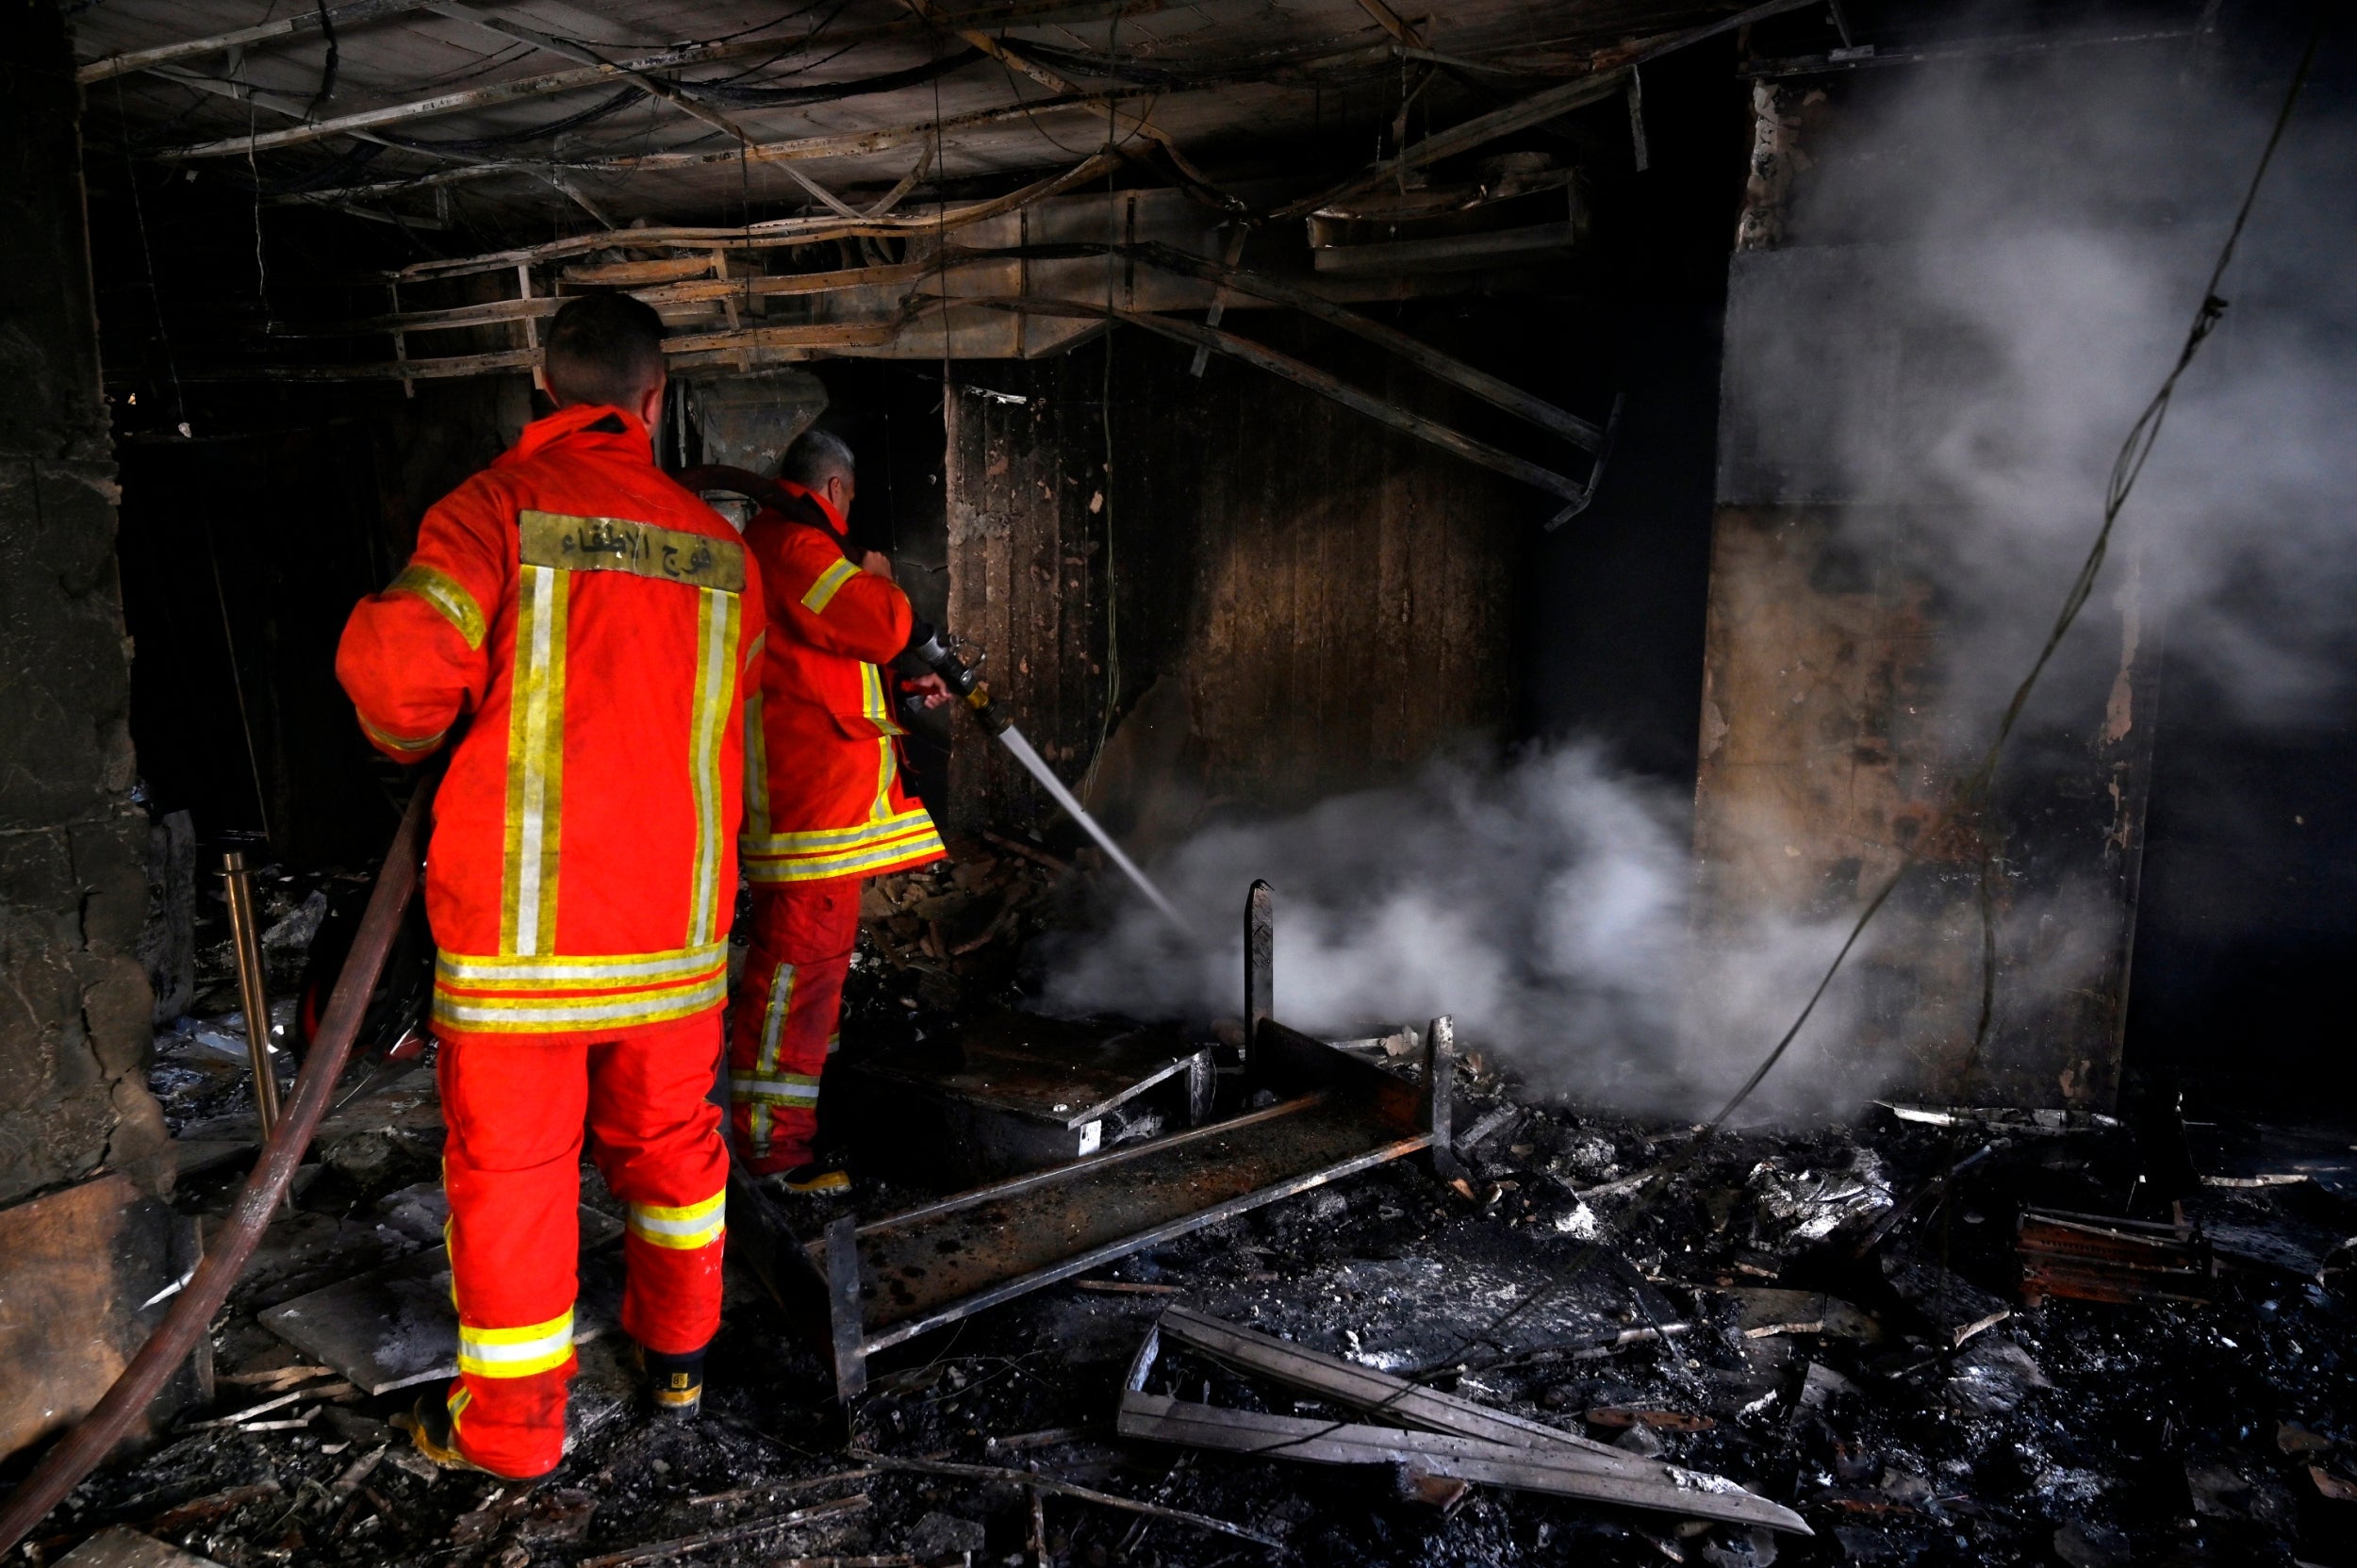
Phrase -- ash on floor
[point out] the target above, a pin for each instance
(1831, 1317)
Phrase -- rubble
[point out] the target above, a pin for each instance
(1787, 1312)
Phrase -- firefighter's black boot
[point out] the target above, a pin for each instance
(675, 1384)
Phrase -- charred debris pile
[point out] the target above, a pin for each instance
(1922, 1336)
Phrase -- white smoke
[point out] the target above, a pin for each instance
(1541, 906)
(2038, 237)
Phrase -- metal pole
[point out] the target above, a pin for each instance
(246, 942)
(1260, 965)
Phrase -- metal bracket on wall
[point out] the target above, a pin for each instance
(1595, 471)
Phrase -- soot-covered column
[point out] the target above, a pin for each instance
(73, 999)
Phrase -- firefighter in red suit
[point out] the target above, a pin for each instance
(824, 803)
(594, 628)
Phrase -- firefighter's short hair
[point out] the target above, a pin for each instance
(604, 348)
(815, 457)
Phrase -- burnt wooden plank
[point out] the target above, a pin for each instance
(91, 1259)
(1313, 1441)
(1394, 1399)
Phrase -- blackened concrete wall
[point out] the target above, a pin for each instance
(73, 999)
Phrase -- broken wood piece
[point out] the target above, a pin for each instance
(1474, 1136)
(200, 1510)
(1768, 1312)
(1031, 853)
(1127, 1287)
(662, 1550)
(1443, 1493)
(1620, 1418)
(295, 1425)
(775, 1489)
(1363, 1388)
(277, 1376)
(338, 1389)
(1664, 1488)
(118, 1548)
(1059, 1488)
(2330, 1486)
(1950, 1307)
(1052, 1437)
(85, 1256)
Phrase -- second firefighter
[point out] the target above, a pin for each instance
(824, 803)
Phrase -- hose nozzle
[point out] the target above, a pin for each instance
(946, 657)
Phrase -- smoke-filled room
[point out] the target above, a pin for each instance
(1315, 783)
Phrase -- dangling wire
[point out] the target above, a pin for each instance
(147, 254)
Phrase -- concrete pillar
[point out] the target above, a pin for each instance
(74, 998)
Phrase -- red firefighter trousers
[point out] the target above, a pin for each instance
(517, 1107)
(787, 1010)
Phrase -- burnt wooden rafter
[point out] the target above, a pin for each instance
(796, 149)
(1574, 493)
(133, 61)
(597, 74)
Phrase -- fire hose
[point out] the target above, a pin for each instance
(190, 1315)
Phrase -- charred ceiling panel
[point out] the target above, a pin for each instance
(1866, 627)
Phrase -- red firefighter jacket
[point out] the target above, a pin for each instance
(600, 625)
(822, 774)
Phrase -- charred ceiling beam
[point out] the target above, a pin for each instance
(281, 103)
(130, 60)
(1015, 60)
(605, 73)
(1576, 494)
(1868, 56)
(1431, 361)
(651, 86)
(796, 149)
(1232, 279)
(1537, 109)
(775, 234)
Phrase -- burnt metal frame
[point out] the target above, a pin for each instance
(821, 1282)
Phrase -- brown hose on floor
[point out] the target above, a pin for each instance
(192, 1314)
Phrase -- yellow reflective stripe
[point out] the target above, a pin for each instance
(773, 1088)
(516, 1352)
(912, 851)
(876, 704)
(447, 594)
(903, 843)
(685, 1227)
(822, 839)
(535, 762)
(577, 972)
(757, 762)
(773, 1020)
(400, 743)
(830, 582)
(716, 641)
(550, 1015)
(834, 1043)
